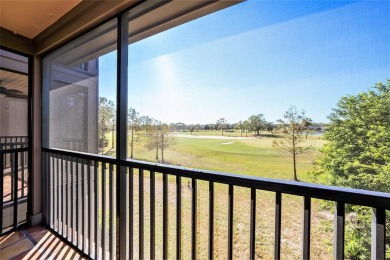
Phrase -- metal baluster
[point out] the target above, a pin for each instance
(90, 201)
(339, 225)
(230, 222)
(141, 213)
(77, 182)
(82, 183)
(194, 218)
(73, 204)
(211, 220)
(306, 228)
(12, 163)
(253, 225)
(165, 216)
(52, 191)
(67, 195)
(57, 185)
(97, 205)
(152, 215)
(15, 184)
(278, 224)
(131, 213)
(104, 231)
(378, 234)
(178, 217)
(62, 197)
(22, 169)
(111, 210)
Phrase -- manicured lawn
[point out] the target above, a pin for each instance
(251, 156)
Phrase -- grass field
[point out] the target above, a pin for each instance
(233, 154)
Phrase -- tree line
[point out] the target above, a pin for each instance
(155, 135)
(254, 124)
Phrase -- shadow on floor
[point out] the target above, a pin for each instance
(35, 243)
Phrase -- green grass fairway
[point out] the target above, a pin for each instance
(255, 157)
(250, 156)
(230, 153)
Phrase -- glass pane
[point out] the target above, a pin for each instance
(196, 90)
(80, 79)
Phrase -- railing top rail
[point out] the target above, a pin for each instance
(83, 155)
(14, 150)
(14, 143)
(13, 136)
(333, 193)
(341, 194)
(13, 140)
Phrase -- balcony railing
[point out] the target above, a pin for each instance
(13, 186)
(158, 206)
(12, 142)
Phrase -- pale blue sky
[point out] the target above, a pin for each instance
(258, 57)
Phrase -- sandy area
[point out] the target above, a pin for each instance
(214, 137)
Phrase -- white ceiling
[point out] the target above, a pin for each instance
(31, 17)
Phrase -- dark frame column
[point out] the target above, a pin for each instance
(121, 133)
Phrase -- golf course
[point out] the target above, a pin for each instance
(209, 150)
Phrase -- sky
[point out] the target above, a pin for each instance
(258, 57)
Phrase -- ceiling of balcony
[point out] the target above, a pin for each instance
(29, 18)
(13, 84)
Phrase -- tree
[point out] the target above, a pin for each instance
(159, 138)
(166, 139)
(357, 155)
(246, 126)
(240, 126)
(152, 136)
(132, 123)
(191, 128)
(257, 123)
(106, 119)
(145, 124)
(306, 123)
(270, 127)
(293, 138)
(179, 126)
(221, 124)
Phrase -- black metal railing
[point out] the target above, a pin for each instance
(13, 187)
(12, 142)
(84, 206)
(80, 201)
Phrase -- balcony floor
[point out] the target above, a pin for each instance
(35, 243)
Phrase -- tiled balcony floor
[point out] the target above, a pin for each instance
(35, 243)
